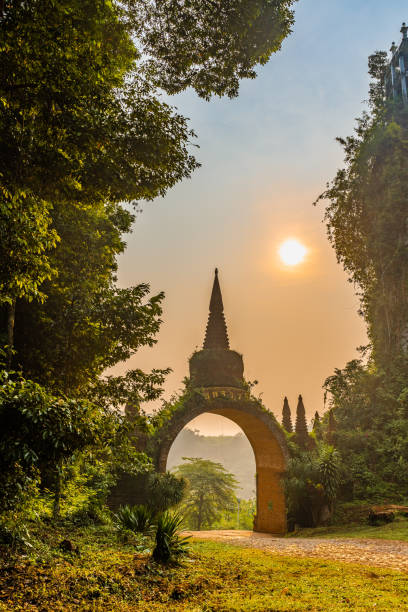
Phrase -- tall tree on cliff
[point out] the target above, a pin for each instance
(367, 214)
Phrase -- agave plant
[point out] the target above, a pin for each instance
(169, 543)
(135, 518)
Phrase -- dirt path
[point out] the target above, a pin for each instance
(377, 553)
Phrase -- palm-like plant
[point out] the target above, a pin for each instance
(135, 518)
(169, 544)
(329, 467)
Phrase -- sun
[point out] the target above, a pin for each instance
(292, 252)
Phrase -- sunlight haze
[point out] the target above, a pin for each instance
(266, 156)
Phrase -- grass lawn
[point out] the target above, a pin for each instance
(398, 530)
(114, 576)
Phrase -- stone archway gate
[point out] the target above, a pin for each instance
(263, 432)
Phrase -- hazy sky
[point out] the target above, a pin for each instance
(265, 157)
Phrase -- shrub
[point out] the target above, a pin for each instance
(169, 544)
(164, 491)
(138, 519)
(377, 518)
(41, 431)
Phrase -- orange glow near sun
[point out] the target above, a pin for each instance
(292, 252)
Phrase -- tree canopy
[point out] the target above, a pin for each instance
(210, 491)
(85, 136)
(367, 216)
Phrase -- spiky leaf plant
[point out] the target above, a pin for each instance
(135, 518)
(329, 467)
(169, 543)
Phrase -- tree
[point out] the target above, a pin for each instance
(75, 127)
(86, 324)
(302, 435)
(80, 117)
(286, 416)
(208, 44)
(317, 425)
(329, 468)
(25, 240)
(210, 490)
(67, 427)
(311, 485)
(367, 217)
(370, 430)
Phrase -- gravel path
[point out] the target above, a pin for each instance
(377, 553)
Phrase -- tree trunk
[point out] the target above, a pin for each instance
(11, 316)
(200, 513)
(56, 508)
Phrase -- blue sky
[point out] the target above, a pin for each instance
(265, 157)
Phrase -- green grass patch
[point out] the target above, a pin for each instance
(397, 530)
(111, 575)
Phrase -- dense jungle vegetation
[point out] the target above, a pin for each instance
(85, 139)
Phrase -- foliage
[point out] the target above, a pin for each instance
(25, 241)
(222, 577)
(311, 485)
(371, 432)
(329, 468)
(302, 435)
(169, 544)
(317, 425)
(87, 324)
(135, 518)
(66, 426)
(157, 491)
(74, 118)
(286, 417)
(394, 530)
(77, 128)
(366, 219)
(70, 430)
(164, 491)
(208, 45)
(228, 519)
(210, 490)
(366, 216)
(81, 121)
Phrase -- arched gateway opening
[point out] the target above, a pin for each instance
(217, 386)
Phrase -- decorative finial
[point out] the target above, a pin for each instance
(393, 47)
(404, 30)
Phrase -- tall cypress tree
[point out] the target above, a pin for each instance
(331, 428)
(317, 425)
(286, 416)
(302, 435)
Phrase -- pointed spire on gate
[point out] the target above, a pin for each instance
(216, 336)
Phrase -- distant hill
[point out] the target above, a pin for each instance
(233, 452)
